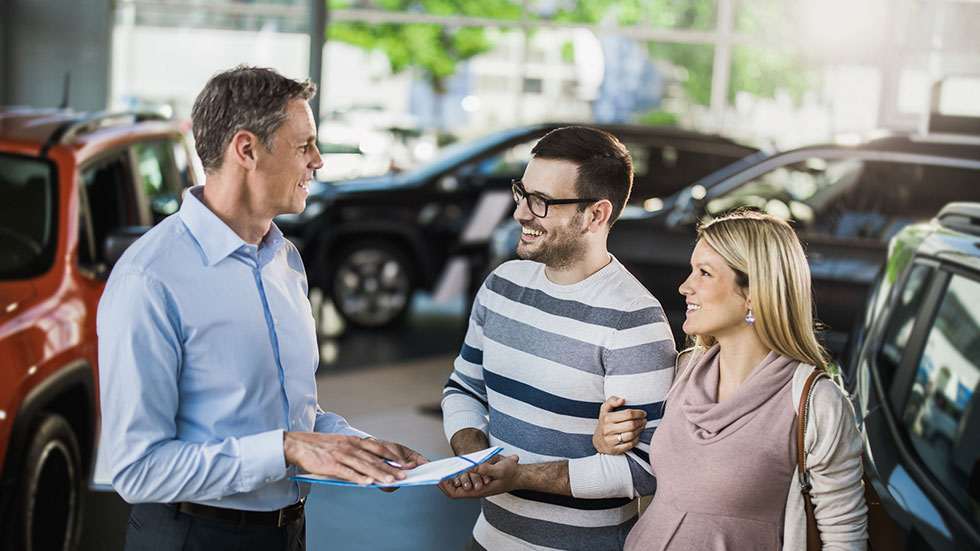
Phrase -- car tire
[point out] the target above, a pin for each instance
(371, 283)
(48, 501)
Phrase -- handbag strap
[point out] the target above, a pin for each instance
(803, 412)
(812, 536)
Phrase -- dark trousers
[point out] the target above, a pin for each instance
(159, 527)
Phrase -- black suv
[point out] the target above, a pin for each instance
(370, 243)
(913, 368)
(844, 201)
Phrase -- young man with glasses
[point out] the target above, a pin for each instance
(550, 338)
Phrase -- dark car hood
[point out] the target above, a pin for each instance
(373, 184)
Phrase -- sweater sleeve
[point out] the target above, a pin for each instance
(464, 398)
(834, 462)
(638, 364)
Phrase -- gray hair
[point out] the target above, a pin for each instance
(244, 98)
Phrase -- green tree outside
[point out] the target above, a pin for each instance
(434, 50)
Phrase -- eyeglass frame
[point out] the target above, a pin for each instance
(517, 185)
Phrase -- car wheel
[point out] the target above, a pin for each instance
(372, 284)
(47, 510)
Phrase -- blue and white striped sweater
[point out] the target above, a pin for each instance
(537, 362)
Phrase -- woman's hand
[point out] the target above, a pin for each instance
(618, 431)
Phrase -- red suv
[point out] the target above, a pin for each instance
(75, 191)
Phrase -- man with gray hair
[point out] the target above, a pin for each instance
(207, 347)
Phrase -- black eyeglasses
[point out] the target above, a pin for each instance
(537, 204)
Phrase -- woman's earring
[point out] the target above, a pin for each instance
(749, 318)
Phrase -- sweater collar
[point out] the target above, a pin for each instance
(707, 420)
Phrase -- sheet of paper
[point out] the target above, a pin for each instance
(430, 473)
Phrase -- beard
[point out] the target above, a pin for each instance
(561, 247)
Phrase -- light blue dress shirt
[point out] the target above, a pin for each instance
(207, 353)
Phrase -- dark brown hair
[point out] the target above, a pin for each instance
(605, 168)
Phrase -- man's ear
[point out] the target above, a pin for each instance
(242, 149)
(598, 214)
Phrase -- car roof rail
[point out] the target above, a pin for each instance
(90, 123)
(961, 216)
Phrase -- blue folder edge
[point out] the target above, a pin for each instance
(301, 478)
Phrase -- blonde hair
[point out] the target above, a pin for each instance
(768, 258)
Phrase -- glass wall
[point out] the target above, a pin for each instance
(769, 72)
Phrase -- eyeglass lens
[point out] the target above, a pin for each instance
(535, 203)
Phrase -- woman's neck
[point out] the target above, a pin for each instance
(739, 355)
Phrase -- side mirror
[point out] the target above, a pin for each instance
(118, 240)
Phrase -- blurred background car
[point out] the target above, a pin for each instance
(370, 243)
(913, 368)
(845, 201)
(362, 142)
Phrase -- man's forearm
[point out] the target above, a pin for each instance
(544, 477)
(468, 441)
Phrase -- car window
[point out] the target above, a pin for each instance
(792, 192)
(851, 198)
(941, 416)
(158, 178)
(660, 171)
(28, 210)
(903, 316)
(642, 154)
(109, 199)
(86, 238)
(506, 164)
(891, 195)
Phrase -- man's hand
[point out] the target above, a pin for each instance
(502, 474)
(468, 441)
(618, 431)
(346, 457)
(409, 458)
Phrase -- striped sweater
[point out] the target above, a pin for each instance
(537, 362)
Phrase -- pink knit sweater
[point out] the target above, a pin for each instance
(723, 470)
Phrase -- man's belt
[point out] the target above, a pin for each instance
(279, 517)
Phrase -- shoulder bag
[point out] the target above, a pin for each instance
(882, 534)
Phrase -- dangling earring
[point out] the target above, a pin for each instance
(749, 318)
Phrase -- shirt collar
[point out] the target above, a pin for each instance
(215, 238)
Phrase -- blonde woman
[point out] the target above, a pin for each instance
(725, 452)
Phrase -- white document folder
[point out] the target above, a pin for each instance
(433, 472)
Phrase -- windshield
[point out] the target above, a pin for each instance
(799, 191)
(27, 215)
(462, 151)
